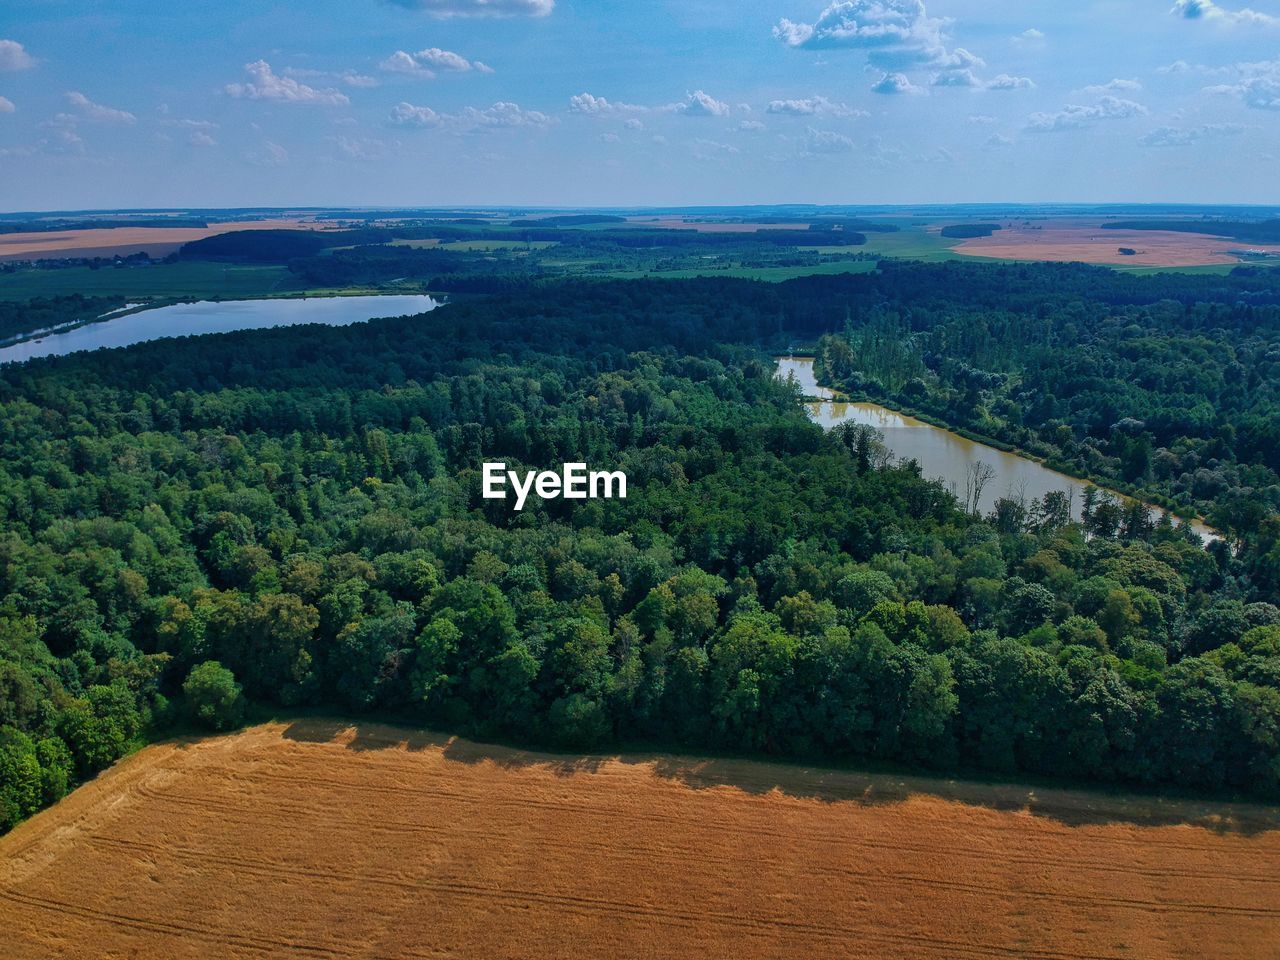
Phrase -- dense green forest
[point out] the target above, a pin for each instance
(292, 518)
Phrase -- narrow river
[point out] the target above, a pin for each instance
(944, 455)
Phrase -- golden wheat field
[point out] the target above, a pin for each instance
(318, 839)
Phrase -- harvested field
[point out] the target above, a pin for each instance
(321, 840)
(123, 241)
(1092, 244)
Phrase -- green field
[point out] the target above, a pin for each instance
(478, 246)
(770, 274)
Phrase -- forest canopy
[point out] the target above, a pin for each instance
(292, 518)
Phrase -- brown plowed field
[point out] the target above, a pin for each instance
(124, 241)
(1092, 244)
(324, 841)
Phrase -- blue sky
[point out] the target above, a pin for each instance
(109, 103)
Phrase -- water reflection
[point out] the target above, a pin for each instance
(944, 455)
(186, 319)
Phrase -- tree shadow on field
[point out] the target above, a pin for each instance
(1065, 805)
(361, 736)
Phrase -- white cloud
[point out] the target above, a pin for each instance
(610, 138)
(96, 111)
(956, 78)
(425, 63)
(826, 141)
(1176, 137)
(13, 56)
(501, 114)
(1006, 82)
(982, 118)
(1117, 85)
(594, 106)
(998, 141)
(700, 104)
(894, 83)
(967, 79)
(1074, 116)
(407, 115)
(633, 124)
(479, 8)
(1208, 10)
(894, 34)
(751, 126)
(1029, 36)
(199, 138)
(349, 77)
(696, 104)
(6, 105)
(504, 114)
(265, 84)
(812, 107)
(1258, 86)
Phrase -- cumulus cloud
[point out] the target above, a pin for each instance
(967, 79)
(501, 114)
(1117, 85)
(1182, 137)
(982, 119)
(700, 104)
(826, 142)
(696, 104)
(895, 34)
(407, 115)
(505, 114)
(479, 8)
(6, 105)
(751, 126)
(1258, 86)
(1029, 36)
(894, 83)
(13, 56)
(956, 78)
(812, 107)
(1006, 82)
(594, 106)
(998, 141)
(199, 138)
(1208, 10)
(426, 63)
(266, 84)
(633, 124)
(96, 112)
(349, 77)
(1074, 116)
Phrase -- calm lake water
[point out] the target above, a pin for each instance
(942, 454)
(207, 316)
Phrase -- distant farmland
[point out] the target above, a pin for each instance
(319, 840)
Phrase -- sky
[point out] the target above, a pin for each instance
(120, 103)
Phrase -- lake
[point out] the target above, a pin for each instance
(208, 316)
(943, 455)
